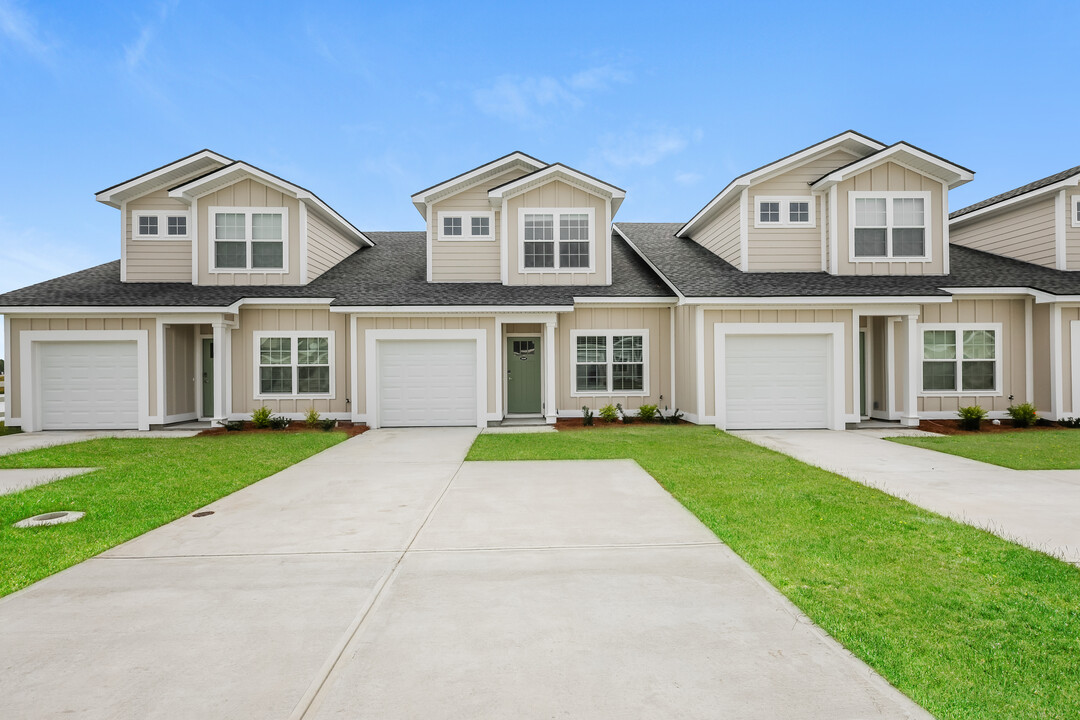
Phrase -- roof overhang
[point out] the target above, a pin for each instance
(904, 154)
(514, 160)
(558, 171)
(239, 170)
(197, 163)
(1029, 196)
(850, 141)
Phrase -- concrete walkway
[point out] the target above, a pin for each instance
(385, 578)
(1036, 508)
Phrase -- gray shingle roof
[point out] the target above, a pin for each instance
(1015, 192)
(391, 273)
(697, 272)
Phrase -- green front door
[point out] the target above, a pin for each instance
(207, 377)
(523, 375)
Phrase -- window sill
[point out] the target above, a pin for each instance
(615, 393)
(264, 396)
(890, 259)
(263, 271)
(558, 270)
(463, 238)
(784, 226)
(960, 393)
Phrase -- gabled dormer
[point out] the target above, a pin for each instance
(210, 220)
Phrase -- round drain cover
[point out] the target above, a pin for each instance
(203, 513)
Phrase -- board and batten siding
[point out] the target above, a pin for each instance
(156, 260)
(558, 194)
(254, 194)
(182, 372)
(1023, 232)
(657, 321)
(288, 320)
(721, 235)
(19, 325)
(685, 353)
(890, 177)
(468, 260)
(326, 247)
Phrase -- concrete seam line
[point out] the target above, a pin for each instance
(605, 546)
(308, 701)
(387, 551)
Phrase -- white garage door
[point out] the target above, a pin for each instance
(87, 385)
(777, 381)
(427, 382)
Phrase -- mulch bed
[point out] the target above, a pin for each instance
(579, 424)
(296, 426)
(952, 427)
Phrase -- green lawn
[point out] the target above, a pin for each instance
(142, 483)
(1028, 450)
(964, 623)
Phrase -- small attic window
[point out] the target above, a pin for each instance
(159, 225)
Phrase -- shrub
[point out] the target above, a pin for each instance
(327, 424)
(586, 415)
(627, 419)
(647, 413)
(234, 425)
(278, 422)
(1023, 415)
(311, 418)
(609, 414)
(971, 417)
(261, 417)
(1071, 422)
(671, 419)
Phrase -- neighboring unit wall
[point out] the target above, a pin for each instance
(157, 260)
(721, 235)
(1023, 232)
(1070, 364)
(1072, 232)
(181, 374)
(326, 246)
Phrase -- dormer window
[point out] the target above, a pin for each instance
(466, 226)
(160, 225)
(249, 239)
(889, 226)
(784, 212)
(556, 239)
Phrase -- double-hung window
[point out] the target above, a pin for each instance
(961, 359)
(795, 211)
(249, 239)
(466, 226)
(294, 364)
(159, 225)
(560, 239)
(890, 225)
(611, 362)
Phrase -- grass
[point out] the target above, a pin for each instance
(1030, 450)
(964, 623)
(142, 483)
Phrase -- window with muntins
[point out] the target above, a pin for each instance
(557, 240)
(890, 226)
(249, 238)
(454, 225)
(784, 212)
(296, 364)
(610, 363)
(159, 225)
(960, 360)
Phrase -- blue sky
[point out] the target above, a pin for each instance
(366, 103)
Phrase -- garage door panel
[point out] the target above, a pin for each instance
(777, 381)
(427, 382)
(87, 385)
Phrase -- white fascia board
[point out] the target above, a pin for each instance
(157, 309)
(1025, 197)
(953, 174)
(106, 196)
(626, 301)
(797, 300)
(420, 199)
(994, 291)
(648, 262)
(617, 195)
(450, 309)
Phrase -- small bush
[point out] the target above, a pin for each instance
(586, 415)
(311, 418)
(609, 414)
(1072, 422)
(234, 425)
(278, 422)
(647, 413)
(971, 417)
(672, 419)
(261, 417)
(328, 424)
(1023, 415)
(627, 419)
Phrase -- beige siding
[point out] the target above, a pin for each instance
(1072, 233)
(244, 356)
(182, 374)
(1011, 315)
(326, 246)
(657, 321)
(685, 355)
(248, 193)
(19, 325)
(1025, 233)
(156, 260)
(467, 260)
(558, 194)
(1041, 325)
(1070, 366)
(721, 235)
(773, 316)
(890, 177)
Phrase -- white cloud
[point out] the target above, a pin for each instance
(688, 178)
(598, 78)
(20, 28)
(528, 100)
(135, 53)
(643, 149)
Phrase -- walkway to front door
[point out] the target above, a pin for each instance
(523, 376)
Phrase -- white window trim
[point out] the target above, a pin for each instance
(247, 211)
(928, 235)
(556, 213)
(163, 224)
(959, 329)
(466, 226)
(785, 215)
(293, 335)
(1075, 205)
(609, 334)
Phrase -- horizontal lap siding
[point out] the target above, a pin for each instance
(1024, 233)
(721, 235)
(156, 260)
(326, 246)
(467, 260)
(1072, 234)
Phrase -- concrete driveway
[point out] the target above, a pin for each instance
(1036, 508)
(386, 578)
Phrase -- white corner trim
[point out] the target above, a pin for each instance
(1029, 353)
(857, 389)
(159, 342)
(945, 261)
(824, 233)
(504, 259)
(744, 230)
(195, 241)
(371, 361)
(27, 340)
(834, 235)
(294, 365)
(1059, 230)
(549, 391)
(123, 241)
(607, 239)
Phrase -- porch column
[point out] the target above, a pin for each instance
(550, 404)
(220, 372)
(909, 331)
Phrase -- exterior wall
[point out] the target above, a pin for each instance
(1011, 314)
(244, 356)
(656, 320)
(1069, 314)
(1024, 233)
(558, 194)
(155, 260)
(774, 316)
(890, 177)
(1043, 366)
(685, 354)
(721, 235)
(878, 345)
(468, 260)
(18, 325)
(326, 247)
(182, 373)
(247, 193)
(1072, 232)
